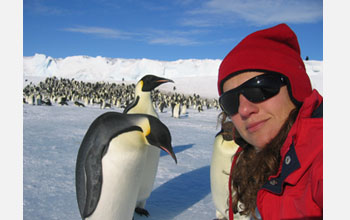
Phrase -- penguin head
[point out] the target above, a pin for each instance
(151, 81)
(159, 136)
(226, 131)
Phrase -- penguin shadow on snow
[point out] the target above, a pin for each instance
(177, 149)
(183, 116)
(178, 194)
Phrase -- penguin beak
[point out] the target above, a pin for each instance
(160, 80)
(163, 80)
(170, 151)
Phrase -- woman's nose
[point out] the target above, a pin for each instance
(246, 107)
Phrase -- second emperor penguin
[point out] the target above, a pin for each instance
(223, 151)
(143, 104)
(111, 161)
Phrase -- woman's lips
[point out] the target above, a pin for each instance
(252, 127)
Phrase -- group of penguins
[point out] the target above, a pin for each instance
(108, 95)
(118, 158)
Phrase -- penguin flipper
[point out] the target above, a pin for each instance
(131, 105)
(141, 211)
(89, 181)
(93, 168)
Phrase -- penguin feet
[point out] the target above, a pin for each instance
(141, 211)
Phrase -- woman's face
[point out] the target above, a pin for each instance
(259, 123)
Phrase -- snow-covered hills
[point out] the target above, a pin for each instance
(190, 75)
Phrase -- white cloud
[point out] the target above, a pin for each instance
(172, 37)
(202, 22)
(151, 36)
(181, 41)
(255, 12)
(100, 31)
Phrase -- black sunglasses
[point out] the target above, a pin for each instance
(256, 89)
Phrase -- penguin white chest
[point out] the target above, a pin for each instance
(122, 168)
(176, 111)
(148, 176)
(219, 172)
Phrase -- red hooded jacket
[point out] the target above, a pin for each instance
(296, 191)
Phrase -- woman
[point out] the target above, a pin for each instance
(265, 91)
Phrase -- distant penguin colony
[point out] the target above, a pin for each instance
(111, 162)
(64, 92)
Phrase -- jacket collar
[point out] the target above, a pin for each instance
(294, 161)
(312, 107)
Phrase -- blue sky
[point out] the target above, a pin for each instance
(162, 29)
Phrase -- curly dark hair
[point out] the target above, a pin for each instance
(254, 167)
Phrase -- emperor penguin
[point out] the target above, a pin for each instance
(142, 103)
(162, 105)
(111, 162)
(220, 166)
(176, 110)
(79, 104)
(31, 99)
(38, 99)
(86, 100)
(183, 108)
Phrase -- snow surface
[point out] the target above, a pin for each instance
(52, 136)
